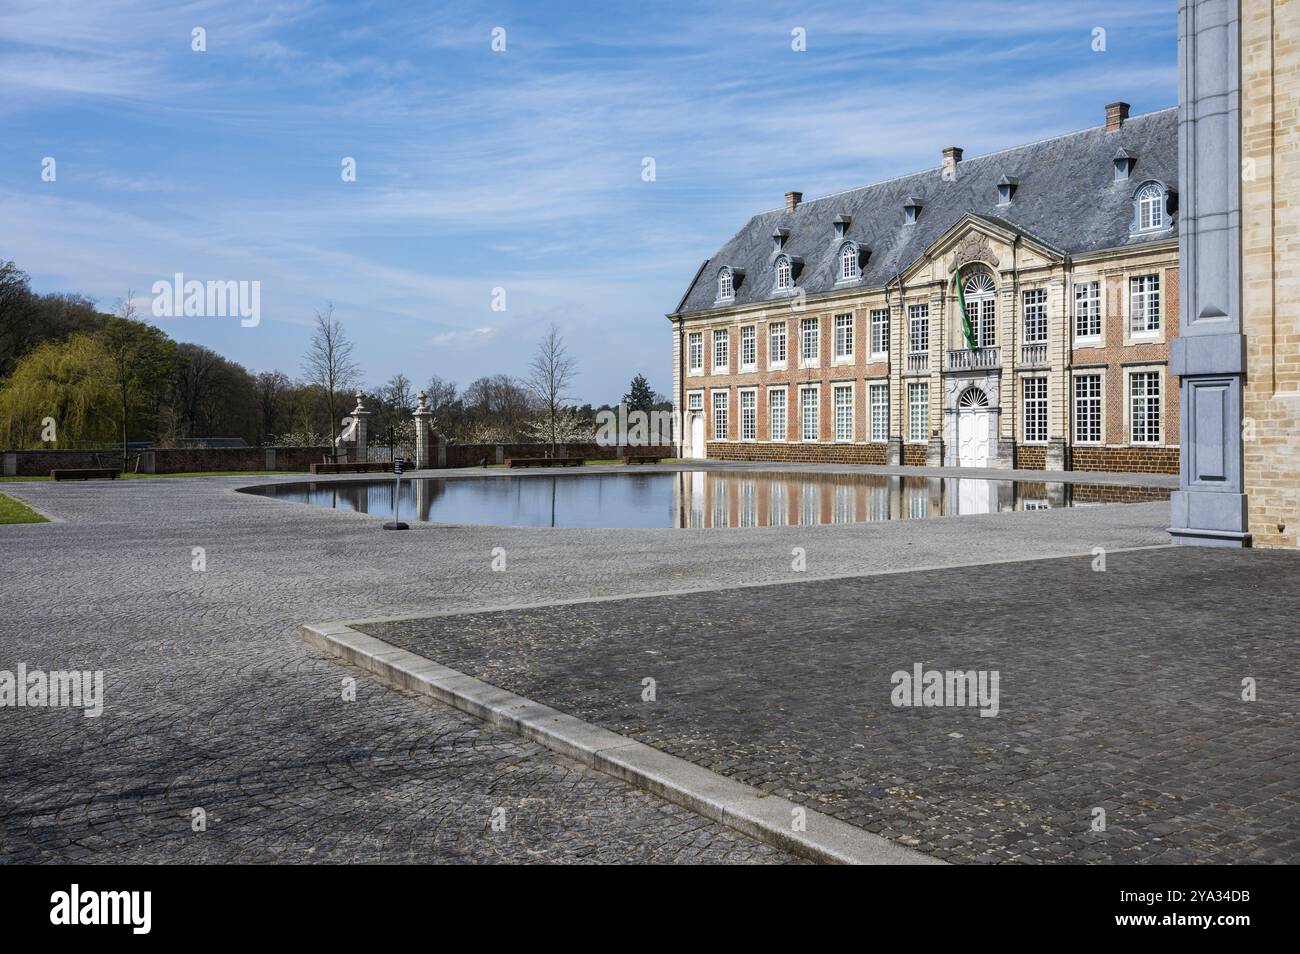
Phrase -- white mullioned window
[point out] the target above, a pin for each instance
(1087, 310)
(748, 503)
(778, 504)
(695, 351)
(810, 344)
(1144, 298)
(1151, 207)
(695, 401)
(918, 329)
(981, 308)
(842, 395)
(809, 413)
(748, 415)
(878, 399)
(726, 290)
(784, 277)
(843, 336)
(1087, 408)
(848, 262)
(721, 349)
(1035, 409)
(721, 506)
(842, 509)
(918, 411)
(776, 343)
(1035, 312)
(721, 400)
(880, 332)
(748, 348)
(1144, 407)
(778, 423)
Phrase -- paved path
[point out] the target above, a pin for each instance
(1118, 690)
(214, 702)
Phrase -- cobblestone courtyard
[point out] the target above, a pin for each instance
(213, 701)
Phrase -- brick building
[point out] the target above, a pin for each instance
(830, 329)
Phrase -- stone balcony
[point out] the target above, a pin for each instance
(976, 359)
(1033, 354)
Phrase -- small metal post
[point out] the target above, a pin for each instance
(398, 464)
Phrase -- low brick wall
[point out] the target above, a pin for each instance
(1031, 458)
(800, 453)
(914, 455)
(164, 460)
(1135, 460)
(470, 455)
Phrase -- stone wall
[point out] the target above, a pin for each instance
(471, 455)
(801, 453)
(169, 460)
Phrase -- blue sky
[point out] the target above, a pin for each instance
(519, 169)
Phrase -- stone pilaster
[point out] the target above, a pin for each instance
(894, 451)
(423, 433)
(362, 417)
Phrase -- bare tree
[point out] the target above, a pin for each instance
(329, 363)
(271, 388)
(551, 375)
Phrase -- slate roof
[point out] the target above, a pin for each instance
(1066, 196)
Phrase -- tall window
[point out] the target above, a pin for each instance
(848, 262)
(1035, 310)
(695, 350)
(878, 399)
(1151, 207)
(776, 411)
(808, 411)
(748, 348)
(844, 336)
(1144, 406)
(981, 308)
(725, 288)
(1144, 295)
(918, 411)
(1087, 310)
(748, 415)
(720, 415)
(843, 404)
(1087, 408)
(721, 343)
(1035, 396)
(809, 340)
(918, 329)
(880, 332)
(783, 274)
(776, 342)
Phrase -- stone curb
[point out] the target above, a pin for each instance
(744, 808)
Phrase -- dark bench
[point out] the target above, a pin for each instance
(376, 467)
(86, 473)
(544, 461)
(642, 458)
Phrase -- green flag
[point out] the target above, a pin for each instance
(966, 328)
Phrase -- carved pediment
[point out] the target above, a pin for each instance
(973, 248)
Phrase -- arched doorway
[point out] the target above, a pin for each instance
(974, 419)
(697, 435)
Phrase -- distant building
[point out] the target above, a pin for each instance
(829, 329)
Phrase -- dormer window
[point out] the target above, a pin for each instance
(778, 239)
(1150, 201)
(1124, 162)
(848, 262)
(726, 289)
(841, 224)
(1007, 186)
(911, 209)
(784, 273)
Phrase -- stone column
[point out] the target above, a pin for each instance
(1209, 508)
(362, 417)
(423, 433)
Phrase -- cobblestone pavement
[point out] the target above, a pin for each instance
(1119, 690)
(214, 702)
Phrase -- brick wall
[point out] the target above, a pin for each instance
(469, 455)
(1137, 460)
(801, 453)
(1031, 458)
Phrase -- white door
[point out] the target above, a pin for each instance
(697, 436)
(973, 420)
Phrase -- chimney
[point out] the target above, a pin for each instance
(792, 200)
(951, 156)
(1116, 113)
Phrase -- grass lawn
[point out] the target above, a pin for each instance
(11, 511)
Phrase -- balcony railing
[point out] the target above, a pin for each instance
(1033, 353)
(972, 359)
(918, 362)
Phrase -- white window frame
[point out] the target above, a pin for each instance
(843, 339)
(1130, 416)
(1034, 415)
(1097, 400)
(1141, 292)
(815, 391)
(848, 263)
(1090, 300)
(774, 363)
(690, 401)
(1033, 308)
(750, 428)
(778, 435)
(748, 348)
(1151, 199)
(784, 273)
(726, 285)
(721, 336)
(918, 317)
(815, 360)
(915, 388)
(837, 389)
(694, 340)
(725, 408)
(878, 423)
(879, 333)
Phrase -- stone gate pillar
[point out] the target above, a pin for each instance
(423, 433)
(362, 417)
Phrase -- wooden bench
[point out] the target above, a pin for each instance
(376, 467)
(86, 473)
(642, 458)
(544, 461)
